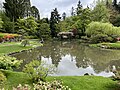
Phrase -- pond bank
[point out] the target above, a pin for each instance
(15, 47)
(107, 45)
(74, 82)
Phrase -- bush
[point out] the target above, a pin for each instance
(2, 78)
(54, 85)
(99, 38)
(8, 63)
(25, 43)
(20, 87)
(102, 32)
(38, 70)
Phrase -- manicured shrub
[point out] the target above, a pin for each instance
(8, 63)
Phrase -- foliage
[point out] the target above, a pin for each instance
(100, 12)
(25, 42)
(44, 30)
(9, 63)
(72, 11)
(79, 8)
(26, 26)
(54, 20)
(83, 20)
(35, 12)
(102, 32)
(1, 22)
(2, 78)
(64, 16)
(14, 9)
(20, 87)
(7, 24)
(53, 85)
(98, 38)
(38, 70)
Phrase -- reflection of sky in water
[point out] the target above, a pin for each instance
(67, 67)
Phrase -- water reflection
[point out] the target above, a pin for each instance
(72, 58)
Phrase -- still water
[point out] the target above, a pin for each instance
(74, 59)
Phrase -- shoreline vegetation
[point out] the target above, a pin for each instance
(90, 82)
(73, 82)
(99, 24)
(107, 45)
(16, 47)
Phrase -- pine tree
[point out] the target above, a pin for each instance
(14, 9)
(79, 8)
(54, 20)
(64, 16)
(27, 6)
(35, 12)
(115, 4)
(72, 11)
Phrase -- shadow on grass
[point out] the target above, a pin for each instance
(112, 86)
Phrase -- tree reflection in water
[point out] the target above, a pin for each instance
(72, 58)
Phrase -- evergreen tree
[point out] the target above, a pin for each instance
(72, 11)
(64, 16)
(115, 4)
(79, 8)
(27, 8)
(14, 9)
(35, 12)
(54, 20)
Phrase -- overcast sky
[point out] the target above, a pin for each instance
(46, 6)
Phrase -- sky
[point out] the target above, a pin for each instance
(46, 6)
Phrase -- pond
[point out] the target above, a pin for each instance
(74, 59)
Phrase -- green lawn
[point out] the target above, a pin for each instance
(74, 82)
(87, 82)
(107, 45)
(9, 47)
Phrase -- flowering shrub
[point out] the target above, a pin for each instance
(20, 87)
(54, 85)
(38, 70)
(7, 36)
(8, 63)
(2, 78)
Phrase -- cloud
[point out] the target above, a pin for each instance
(46, 6)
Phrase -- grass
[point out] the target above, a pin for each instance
(88, 82)
(10, 47)
(16, 78)
(74, 82)
(107, 45)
